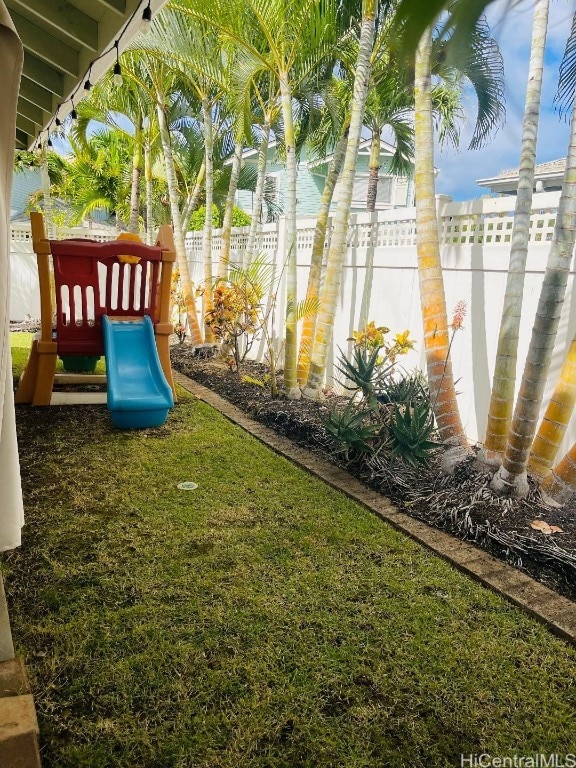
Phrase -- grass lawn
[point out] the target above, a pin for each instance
(20, 345)
(260, 620)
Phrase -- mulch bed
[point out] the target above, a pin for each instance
(462, 504)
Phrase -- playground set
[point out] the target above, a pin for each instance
(112, 299)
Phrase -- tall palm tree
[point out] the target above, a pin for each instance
(504, 380)
(125, 110)
(288, 40)
(316, 259)
(333, 275)
(225, 235)
(161, 82)
(511, 477)
(481, 64)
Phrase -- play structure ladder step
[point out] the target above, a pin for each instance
(80, 378)
(78, 398)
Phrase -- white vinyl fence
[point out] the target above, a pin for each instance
(380, 283)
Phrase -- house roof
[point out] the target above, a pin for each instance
(61, 40)
(550, 169)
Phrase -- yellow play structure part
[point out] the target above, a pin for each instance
(123, 281)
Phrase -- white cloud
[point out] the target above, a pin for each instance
(512, 28)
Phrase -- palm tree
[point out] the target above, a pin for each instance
(161, 82)
(114, 107)
(511, 477)
(226, 232)
(558, 414)
(333, 275)
(288, 41)
(389, 103)
(504, 380)
(315, 273)
(95, 177)
(482, 65)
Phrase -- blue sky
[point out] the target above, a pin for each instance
(458, 170)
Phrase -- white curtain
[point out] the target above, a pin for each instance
(11, 508)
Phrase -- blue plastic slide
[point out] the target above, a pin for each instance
(138, 394)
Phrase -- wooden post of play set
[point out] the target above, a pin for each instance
(37, 382)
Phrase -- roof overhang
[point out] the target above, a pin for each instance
(504, 182)
(61, 39)
(363, 149)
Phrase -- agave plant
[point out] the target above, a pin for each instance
(353, 429)
(364, 373)
(409, 431)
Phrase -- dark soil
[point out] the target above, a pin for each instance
(462, 504)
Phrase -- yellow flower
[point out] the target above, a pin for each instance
(403, 341)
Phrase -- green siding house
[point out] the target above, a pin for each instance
(393, 191)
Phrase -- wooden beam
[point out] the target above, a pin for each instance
(28, 126)
(35, 94)
(22, 139)
(30, 111)
(6, 644)
(60, 16)
(118, 6)
(46, 46)
(43, 74)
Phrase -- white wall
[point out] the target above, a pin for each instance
(475, 238)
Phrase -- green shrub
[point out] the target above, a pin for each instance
(239, 218)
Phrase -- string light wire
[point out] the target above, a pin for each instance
(144, 26)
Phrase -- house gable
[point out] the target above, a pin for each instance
(393, 191)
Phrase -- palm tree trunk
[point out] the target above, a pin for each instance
(228, 211)
(258, 195)
(333, 276)
(179, 243)
(149, 192)
(134, 223)
(291, 347)
(511, 477)
(432, 297)
(504, 381)
(374, 170)
(560, 484)
(558, 414)
(193, 196)
(207, 240)
(315, 274)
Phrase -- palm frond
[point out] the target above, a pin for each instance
(564, 98)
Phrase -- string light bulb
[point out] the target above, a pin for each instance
(146, 20)
(117, 74)
(49, 142)
(88, 84)
(117, 79)
(73, 114)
